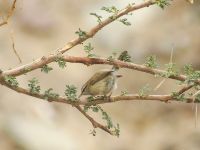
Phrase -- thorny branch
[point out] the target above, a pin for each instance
(90, 61)
(94, 123)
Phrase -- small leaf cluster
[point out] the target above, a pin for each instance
(109, 122)
(151, 62)
(112, 57)
(88, 49)
(125, 21)
(124, 56)
(61, 62)
(171, 70)
(34, 88)
(50, 94)
(71, 92)
(93, 108)
(116, 130)
(111, 9)
(180, 97)
(144, 91)
(46, 69)
(192, 75)
(11, 81)
(162, 3)
(90, 98)
(97, 16)
(82, 34)
(105, 117)
(197, 98)
(123, 93)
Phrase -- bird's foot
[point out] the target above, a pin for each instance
(107, 98)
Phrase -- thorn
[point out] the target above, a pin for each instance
(159, 85)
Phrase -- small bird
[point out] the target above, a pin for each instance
(102, 82)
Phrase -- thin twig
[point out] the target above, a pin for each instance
(94, 123)
(170, 61)
(13, 47)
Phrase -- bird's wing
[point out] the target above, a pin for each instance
(95, 78)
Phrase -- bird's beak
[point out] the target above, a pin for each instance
(118, 76)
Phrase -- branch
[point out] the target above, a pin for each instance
(94, 30)
(14, 49)
(94, 123)
(88, 61)
(100, 100)
(48, 59)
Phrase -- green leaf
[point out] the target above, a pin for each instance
(191, 74)
(151, 62)
(197, 98)
(90, 99)
(71, 92)
(116, 130)
(180, 97)
(95, 109)
(86, 108)
(50, 94)
(124, 56)
(34, 88)
(97, 16)
(144, 91)
(46, 69)
(171, 70)
(124, 93)
(112, 57)
(88, 49)
(81, 34)
(188, 70)
(11, 81)
(125, 21)
(111, 9)
(163, 3)
(61, 62)
(107, 118)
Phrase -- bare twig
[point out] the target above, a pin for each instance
(13, 47)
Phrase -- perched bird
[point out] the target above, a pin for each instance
(101, 83)
(104, 82)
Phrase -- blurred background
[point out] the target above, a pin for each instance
(39, 27)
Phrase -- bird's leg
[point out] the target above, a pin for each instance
(107, 97)
(110, 96)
